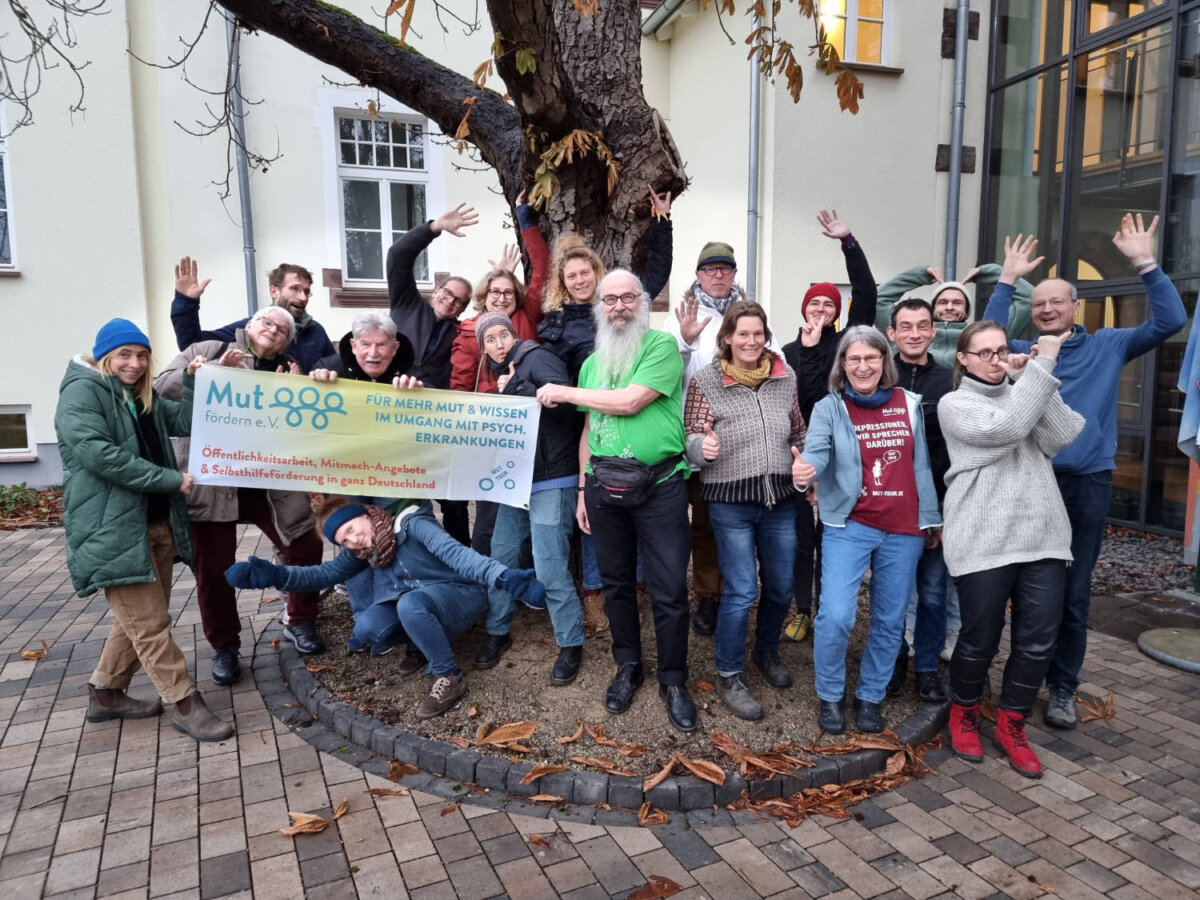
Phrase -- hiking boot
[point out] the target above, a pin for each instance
(110, 703)
(445, 694)
(948, 648)
(680, 708)
(414, 661)
(566, 667)
(772, 668)
(1010, 740)
(964, 732)
(1060, 710)
(899, 676)
(225, 666)
(306, 637)
(799, 627)
(621, 689)
(832, 717)
(195, 719)
(493, 648)
(736, 696)
(704, 620)
(930, 687)
(595, 618)
(868, 716)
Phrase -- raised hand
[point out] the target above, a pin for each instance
(660, 204)
(407, 383)
(454, 220)
(810, 331)
(1015, 364)
(686, 313)
(509, 257)
(1017, 262)
(971, 275)
(521, 199)
(291, 368)
(1135, 240)
(802, 472)
(832, 226)
(1047, 346)
(186, 281)
(503, 380)
(935, 274)
(323, 375)
(711, 445)
(196, 363)
(233, 357)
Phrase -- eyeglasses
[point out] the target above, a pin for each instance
(497, 293)
(624, 299)
(270, 325)
(722, 269)
(461, 301)
(853, 362)
(989, 355)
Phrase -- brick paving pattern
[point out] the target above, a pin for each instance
(137, 809)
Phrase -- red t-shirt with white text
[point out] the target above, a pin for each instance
(888, 500)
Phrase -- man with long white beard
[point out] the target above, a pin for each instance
(632, 488)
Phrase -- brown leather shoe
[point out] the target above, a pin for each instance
(595, 618)
(109, 703)
(199, 721)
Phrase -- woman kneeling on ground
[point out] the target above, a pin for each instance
(866, 446)
(125, 519)
(744, 428)
(429, 588)
(1007, 537)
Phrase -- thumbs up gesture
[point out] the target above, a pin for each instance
(502, 381)
(711, 446)
(802, 472)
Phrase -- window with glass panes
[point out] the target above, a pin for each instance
(858, 28)
(5, 218)
(381, 177)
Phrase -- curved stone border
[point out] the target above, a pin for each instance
(282, 676)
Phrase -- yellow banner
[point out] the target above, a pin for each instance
(266, 430)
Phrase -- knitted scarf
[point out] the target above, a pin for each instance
(383, 547)
(719, 305)
(870, 401)
(751, 378)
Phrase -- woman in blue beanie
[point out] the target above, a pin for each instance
(126, 519)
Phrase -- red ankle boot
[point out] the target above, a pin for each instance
(1011, 741)
(964, 732)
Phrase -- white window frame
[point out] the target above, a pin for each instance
(850, 33)
(333, 102)
(28, 453)
(11, 265)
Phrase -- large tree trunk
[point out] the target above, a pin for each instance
(588, 75)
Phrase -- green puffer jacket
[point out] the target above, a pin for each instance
(105, 479)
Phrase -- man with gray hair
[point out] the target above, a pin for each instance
(371, 350)
(632, 488)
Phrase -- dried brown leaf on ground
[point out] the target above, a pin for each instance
(341, 808)
(265, 600)
(292, 705)
(702, 768)
(1098, 709)
(1047, 889)
(538, 840)
(506, 734)
(571, 738)
(629, 748)
(313, 667)
(460, 742)
(547, 798)
(387, 792)
(453, 807)
(481, 732)
(648, 815)
(275, 643)
(36, 654)
(599, 735)
(605, 765)
(541, 771)
(659, 886)
(896, 763)
(304, 823)
(705, 687)
(473, 711)
(987, 709)
(758, 765)
(397, 770)
(652, 781)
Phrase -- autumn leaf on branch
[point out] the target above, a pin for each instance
(406, 19)
(849, 90)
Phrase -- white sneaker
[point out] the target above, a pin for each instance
(951, 643)
(910, 640)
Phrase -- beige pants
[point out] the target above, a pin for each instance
(141, 634)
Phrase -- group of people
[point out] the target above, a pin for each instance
(968, 469)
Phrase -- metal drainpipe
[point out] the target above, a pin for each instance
(752, 190)
(233, 42)
(659, 16)
(956, 136)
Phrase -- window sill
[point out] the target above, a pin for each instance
(10, 273)
(17, 457)
(870, 67)
(358, 296)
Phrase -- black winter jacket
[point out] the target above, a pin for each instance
(557, 451)
(413, 315)
(346, 366)
(932, 382)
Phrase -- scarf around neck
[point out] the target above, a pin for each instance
(719, 305)
(870, 401)
(383, 544)
(751, 378)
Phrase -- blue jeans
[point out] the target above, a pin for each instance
(742, 531)
(929, 628)
(547, 523)
(1087, 498)
(845, 555)
(428, 618)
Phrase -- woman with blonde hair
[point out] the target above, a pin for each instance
(125, 519)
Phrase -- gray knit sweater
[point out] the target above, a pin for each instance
(1002, 502)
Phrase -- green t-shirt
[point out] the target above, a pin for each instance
(654, 433)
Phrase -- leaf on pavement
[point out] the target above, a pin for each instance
(460, 742)
(304, 823)
(896, 763)
(1096, 709)
(652, 781)
(659, 886)
(387, 792)
(540, 771)
(538, 840)
(506, 734)
(604, 765)
(702, 769)
(265, 600)
(548, 798)
(571, 738)
(599, 735)
(341, 808)
(313, 667)
(453, 807)
(648, 815)
(704, 687)
(36, 654)
(397, 770)
(275, 643)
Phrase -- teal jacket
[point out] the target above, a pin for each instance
(105, 478)
(945, 338)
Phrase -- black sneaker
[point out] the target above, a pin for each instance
(566, 667)
(225, 666)
(306, 637)
(899, 676)
(414, 661)
(704, 619)
(493, 648)
(772, 668)
(930, 687)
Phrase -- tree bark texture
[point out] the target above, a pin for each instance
(587, 75)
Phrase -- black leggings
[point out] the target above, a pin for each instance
(1036, 590)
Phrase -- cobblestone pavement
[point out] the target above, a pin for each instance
(136, 809)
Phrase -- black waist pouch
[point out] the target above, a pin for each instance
(627, 482)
